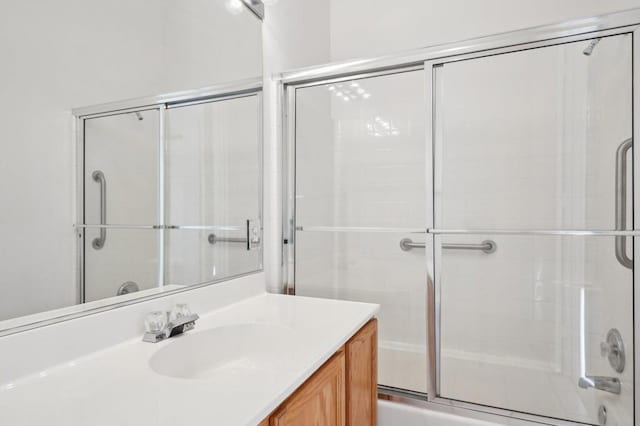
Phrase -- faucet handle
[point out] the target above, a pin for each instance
(606, 349)
(613, 349)
(180, 310)
(155, 321)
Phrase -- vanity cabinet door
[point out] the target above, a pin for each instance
(320, 401)
(362, 376)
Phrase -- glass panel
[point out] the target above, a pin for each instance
(124, 148)
(371, 267)
(360, 153)
(529, 139)
(197, 256)
(128, 255)
(520, 326)
(360, 161)
(213, 163)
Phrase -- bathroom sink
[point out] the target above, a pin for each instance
(232, 352)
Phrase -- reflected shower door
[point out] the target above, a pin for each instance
(535, 140)
(359, 191)
(213, 188)
(121, 188)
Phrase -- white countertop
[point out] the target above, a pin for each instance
(117, 386)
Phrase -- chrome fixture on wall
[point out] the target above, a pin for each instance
(589, 49)
(487, 246)
(98, 176)
(213, 239)
(252, 240)
(621, 202)
(605, 384)
(613, 349)
(128, 287)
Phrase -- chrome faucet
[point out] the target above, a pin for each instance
(159, 328)
(607, 384)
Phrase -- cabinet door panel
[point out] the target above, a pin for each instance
(320, 401)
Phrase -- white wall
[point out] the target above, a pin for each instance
(295, 34)
(364, 28)
(71, 53)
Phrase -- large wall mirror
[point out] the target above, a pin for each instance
(132, 160)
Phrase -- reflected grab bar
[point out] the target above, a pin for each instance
(98, 176)
(621, 202)
(213, 238)
(487, 246)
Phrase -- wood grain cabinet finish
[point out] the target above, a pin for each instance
(320, 401)
(362, 376)
(343, 392)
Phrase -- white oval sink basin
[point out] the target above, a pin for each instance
(235, 350)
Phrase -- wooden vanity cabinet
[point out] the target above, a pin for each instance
(342, 392)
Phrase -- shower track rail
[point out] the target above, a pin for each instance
(445, 231)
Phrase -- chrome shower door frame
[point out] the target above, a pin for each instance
(430, 59)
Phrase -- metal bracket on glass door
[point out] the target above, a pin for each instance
(254, 237)
(98, 176)
(621, 202)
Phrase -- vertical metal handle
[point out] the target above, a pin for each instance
(98, 176)
(621, 202)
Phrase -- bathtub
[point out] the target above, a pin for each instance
(398, 414)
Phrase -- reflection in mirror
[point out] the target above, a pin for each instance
(117, 185)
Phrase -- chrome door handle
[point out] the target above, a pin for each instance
(213, 239)
(621, 202)
(606, 384)
(98, 176)
(407, 244)
(487, 246)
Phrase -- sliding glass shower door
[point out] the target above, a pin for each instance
(359, 191)
(488, 214)
(532, 158)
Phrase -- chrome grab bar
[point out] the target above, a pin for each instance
(213, 238)
(98, 176)
(621, 202)
(606, 384)
(487, 246)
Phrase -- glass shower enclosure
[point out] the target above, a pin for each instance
(486, 202)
